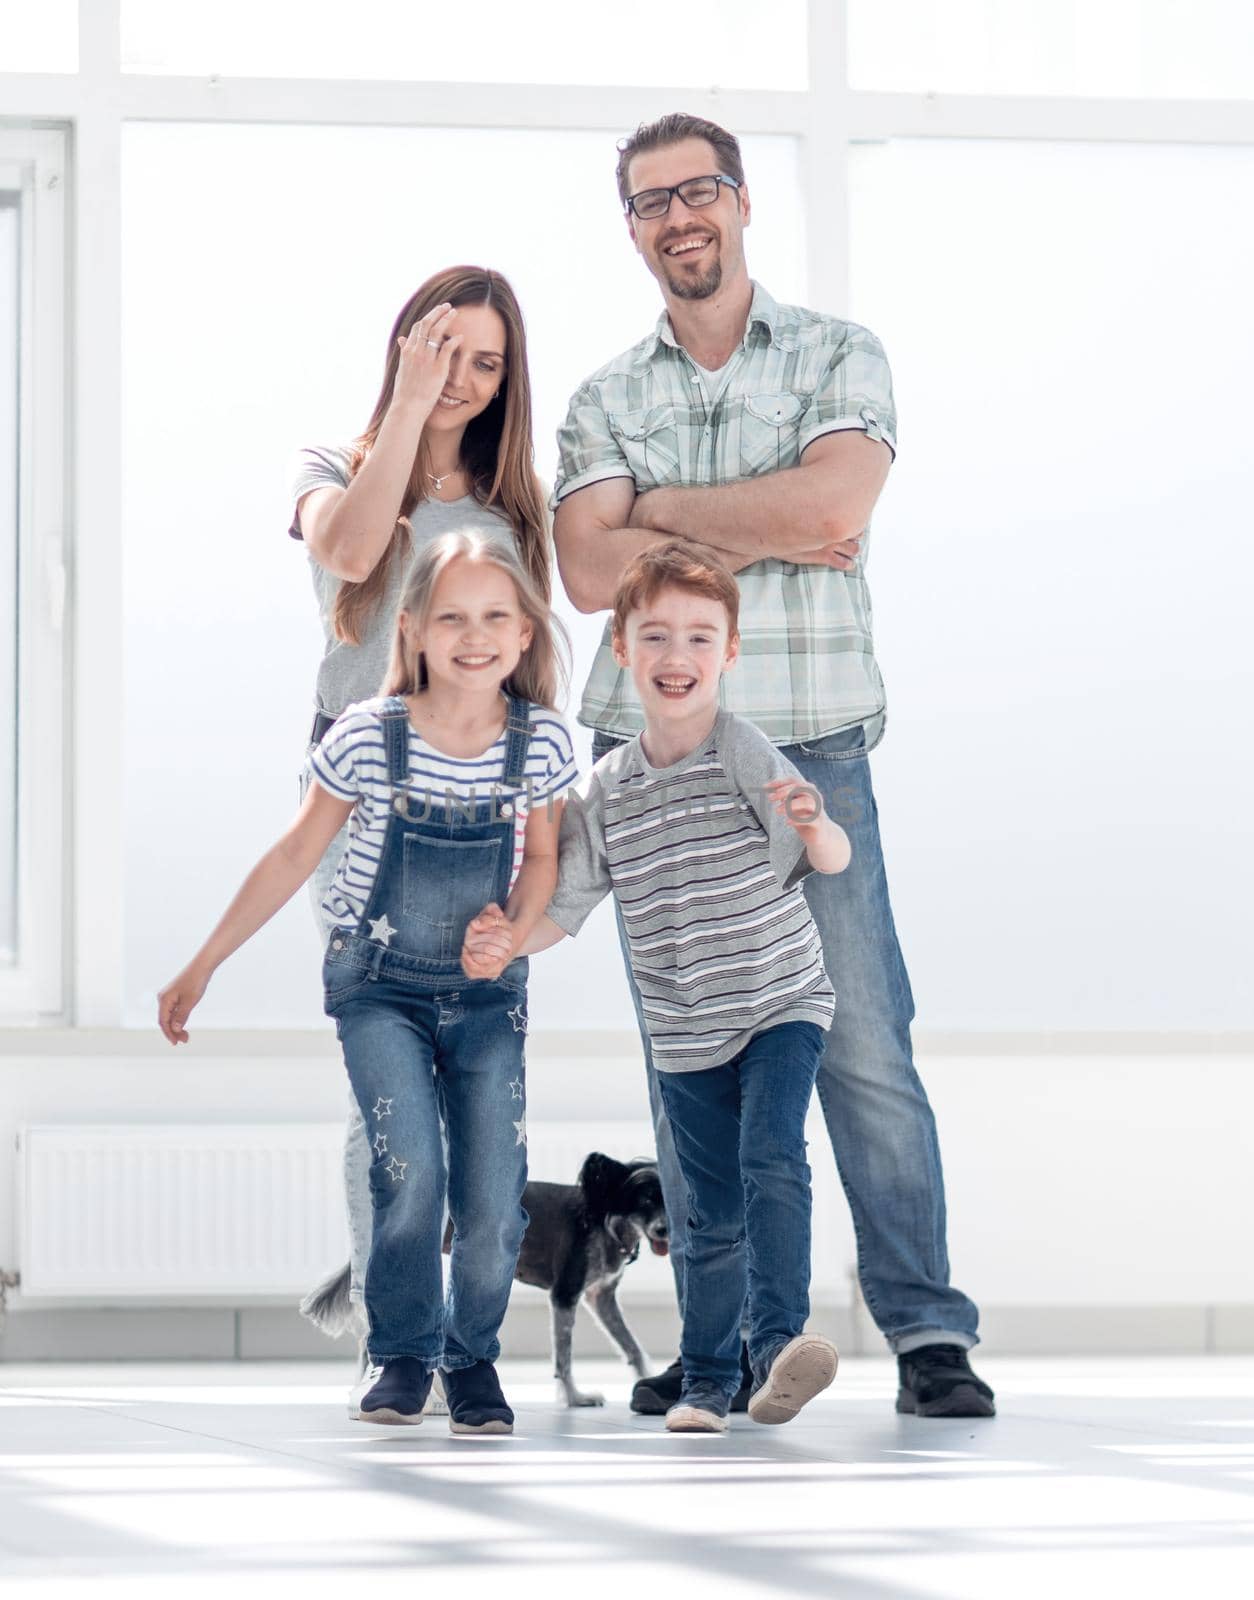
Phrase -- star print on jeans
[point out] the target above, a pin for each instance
(520, 1128)
(382, 929)
(382, 1108)
(516, 1089)
(518, 1017)
(396, 1170)
(380, 1144)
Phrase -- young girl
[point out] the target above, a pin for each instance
(452, 780)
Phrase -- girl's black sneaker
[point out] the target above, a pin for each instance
(475, 1401)
(397, 1394)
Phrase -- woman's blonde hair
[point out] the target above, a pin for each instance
(496, 449)
(541, 674)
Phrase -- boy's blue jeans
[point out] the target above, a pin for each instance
(878, 1118)
(417, 1060)
(739, 1132)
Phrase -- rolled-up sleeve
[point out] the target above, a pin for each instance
(587, 451)
(855, 391)
(317, 467)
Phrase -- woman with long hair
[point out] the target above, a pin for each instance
(447, 448)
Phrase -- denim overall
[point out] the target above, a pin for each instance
(426, 1046)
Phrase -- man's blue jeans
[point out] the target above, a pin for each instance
(418, 1060)
(739, 1132)
(878, 1118)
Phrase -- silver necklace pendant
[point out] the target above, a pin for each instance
(438, 483)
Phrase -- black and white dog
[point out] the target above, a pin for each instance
(581, 1237)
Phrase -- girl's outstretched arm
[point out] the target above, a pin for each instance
(270, 885)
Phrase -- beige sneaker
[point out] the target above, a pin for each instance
(701, 1408)
(683, 1418)
(802, 1369)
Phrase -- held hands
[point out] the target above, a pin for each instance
(488, 947)
(800, 804)
(176, 1002)
(425, 359)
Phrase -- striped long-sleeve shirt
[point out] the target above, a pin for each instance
(708, 879)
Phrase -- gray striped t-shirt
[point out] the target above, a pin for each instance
(708, 879)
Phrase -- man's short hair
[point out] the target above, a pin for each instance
(677, 564)
(673, 129)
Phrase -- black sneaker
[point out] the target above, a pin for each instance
(475, 1401)
(653, 1397)
(397, 1393)
(936, 1381)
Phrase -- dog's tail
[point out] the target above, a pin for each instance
(328, 1306)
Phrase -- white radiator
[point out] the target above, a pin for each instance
(151, 1211)
(154, 1211)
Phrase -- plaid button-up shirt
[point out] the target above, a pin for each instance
(807, 665)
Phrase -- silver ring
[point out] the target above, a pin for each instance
(434, 343)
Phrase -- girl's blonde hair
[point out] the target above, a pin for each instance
(496, 449)
(541, 674)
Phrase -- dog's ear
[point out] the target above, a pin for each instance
(600, 1178)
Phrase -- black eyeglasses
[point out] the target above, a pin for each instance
(694, 192)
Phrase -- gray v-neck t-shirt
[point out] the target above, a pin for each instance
(352, 672)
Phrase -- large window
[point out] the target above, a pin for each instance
(555, 42)
(1065, 539)
(1040, 208)
(32, 468)
(10, 384)
(1200, 49)
(38, 38)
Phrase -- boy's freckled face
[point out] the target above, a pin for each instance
(676, 648)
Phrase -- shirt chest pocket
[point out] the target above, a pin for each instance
(769, 424)
(650, 445)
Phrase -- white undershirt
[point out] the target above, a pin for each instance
(713, 380)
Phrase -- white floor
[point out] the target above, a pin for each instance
(1098, 1477)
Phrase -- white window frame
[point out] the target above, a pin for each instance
(32, 164)
(94, 104)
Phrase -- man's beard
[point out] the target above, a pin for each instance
(697, 288)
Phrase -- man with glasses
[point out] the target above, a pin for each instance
(767, 431)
